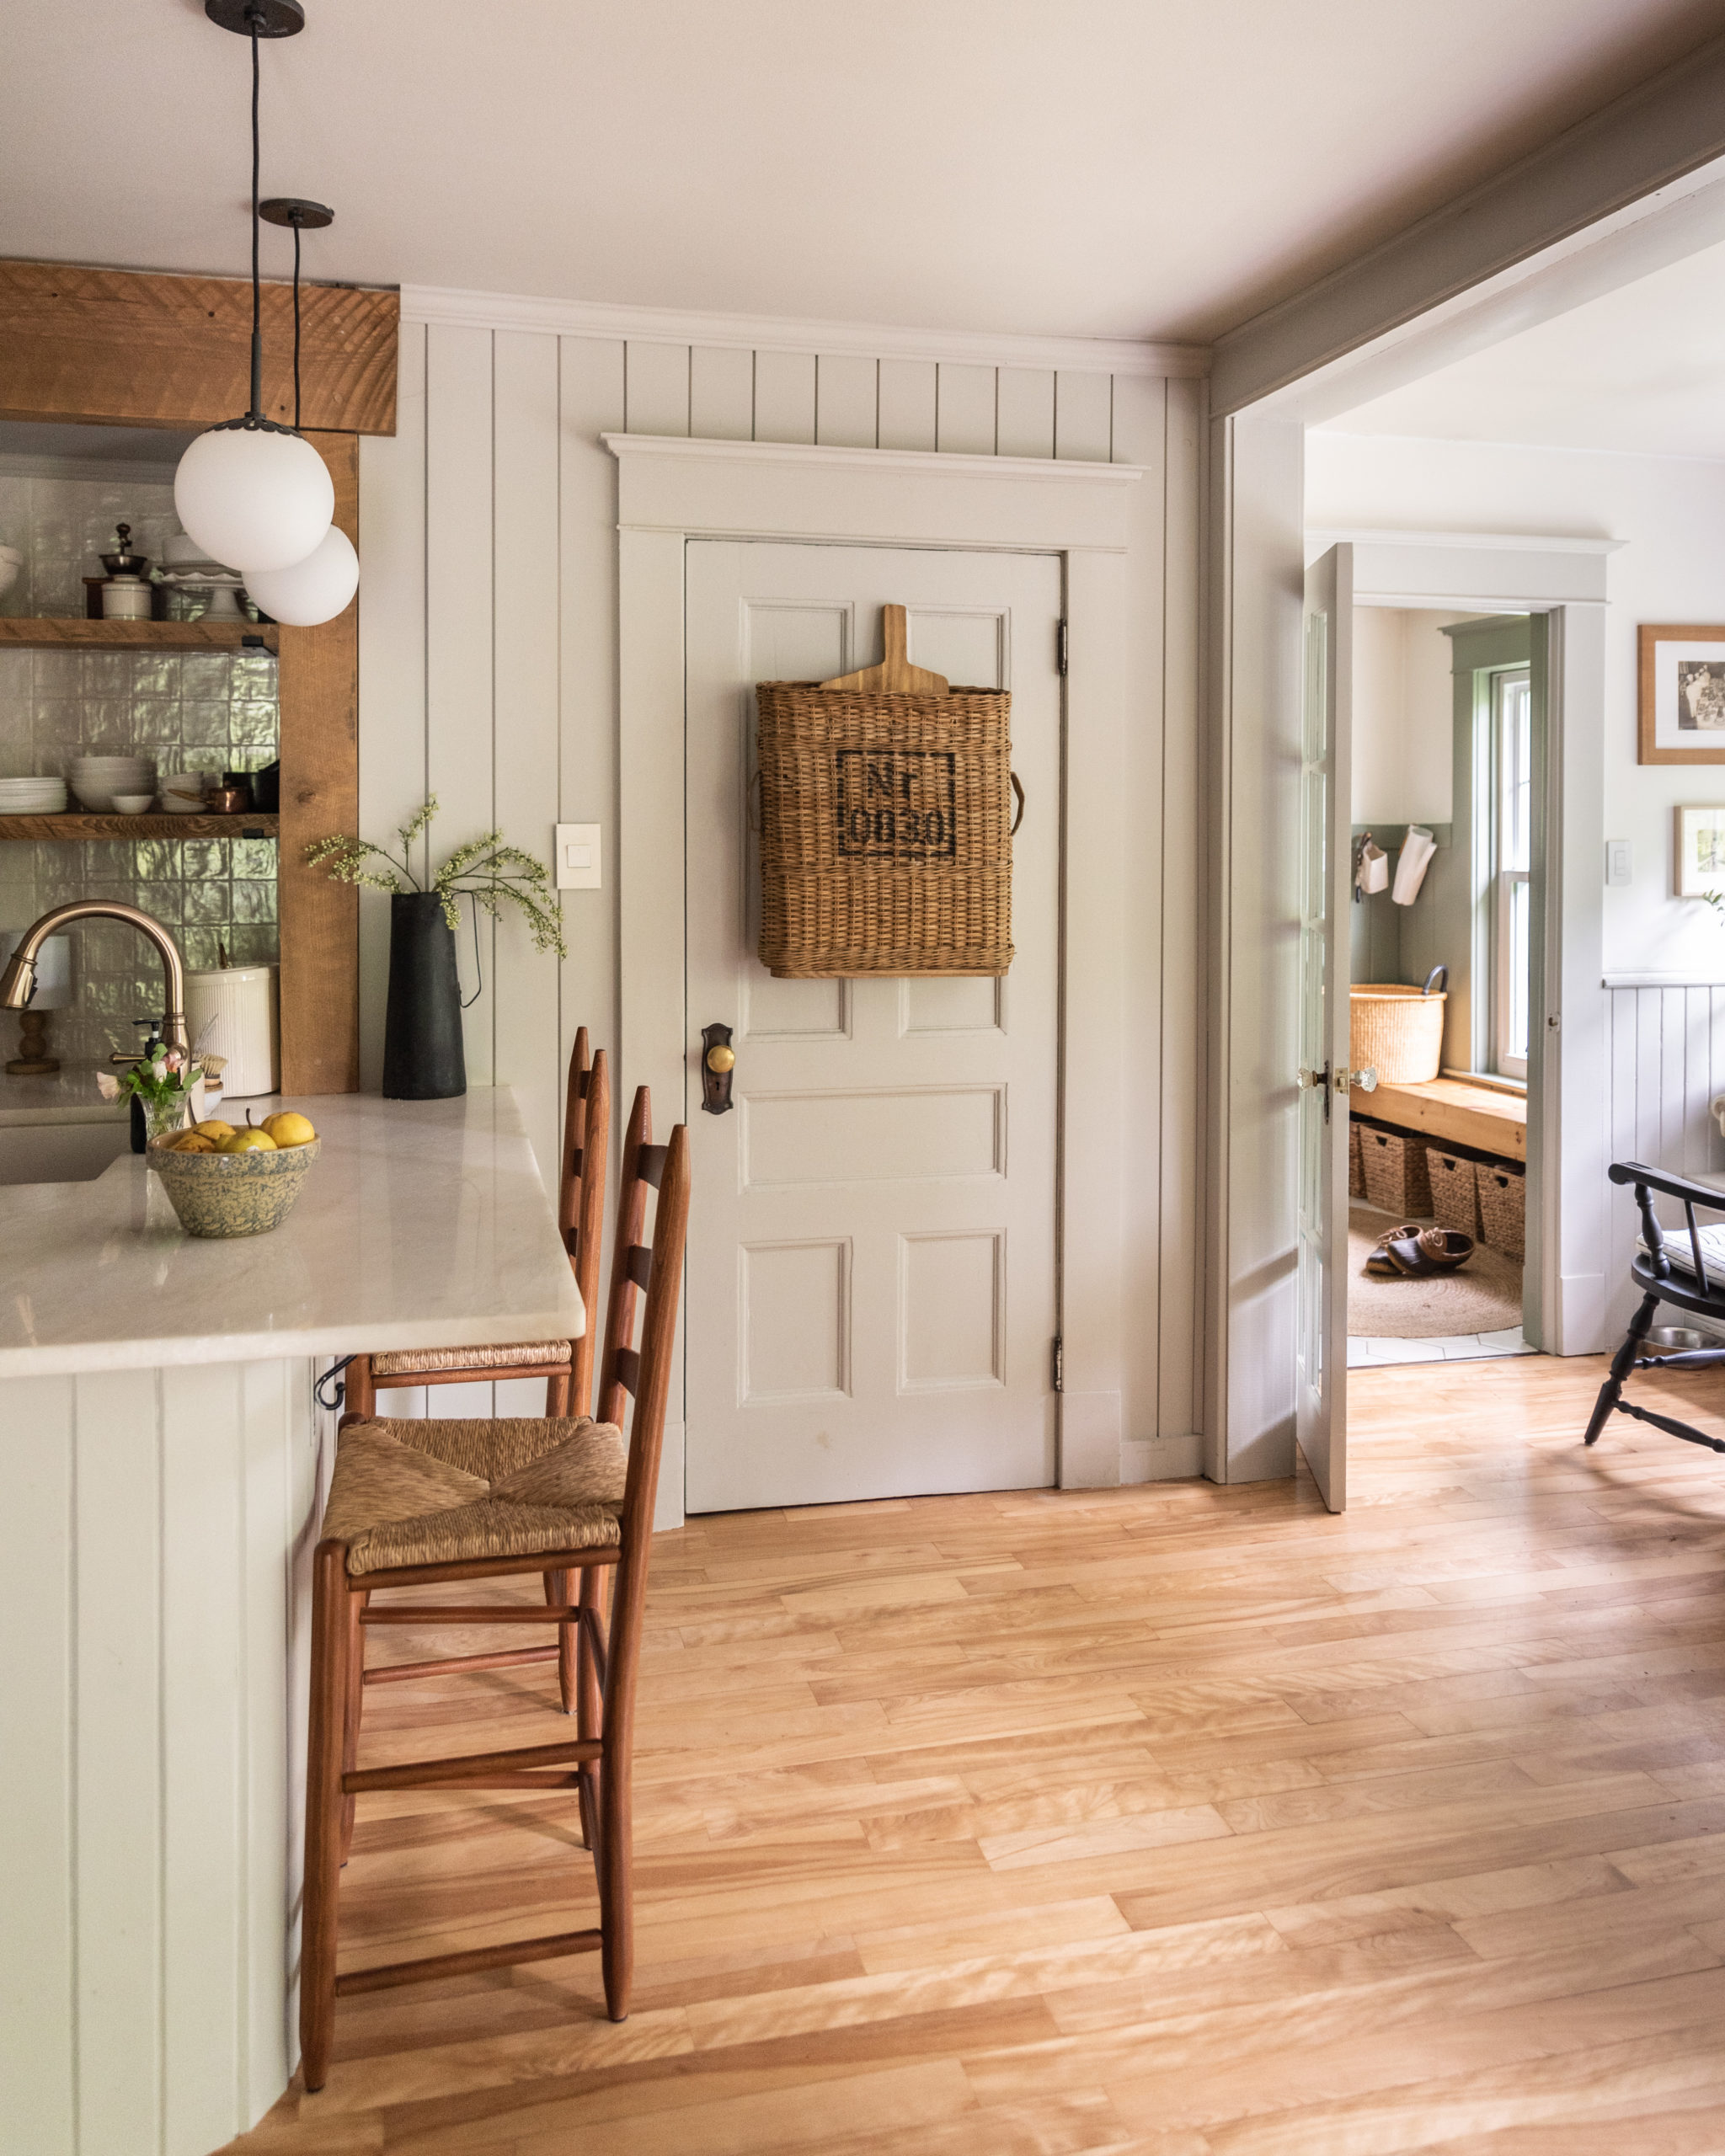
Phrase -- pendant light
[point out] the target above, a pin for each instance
(253, 494)
(318, 589)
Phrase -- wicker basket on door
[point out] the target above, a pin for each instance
(886, 826)
(1397, 1031)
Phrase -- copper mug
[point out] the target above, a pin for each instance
(226, 801)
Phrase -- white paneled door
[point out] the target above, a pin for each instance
(1326, 887)
(871, 1291)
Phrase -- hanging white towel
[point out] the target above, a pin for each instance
(1373, 873)
(1417, 850)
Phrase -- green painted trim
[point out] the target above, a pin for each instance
(1496, 640)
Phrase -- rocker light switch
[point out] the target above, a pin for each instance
(577, 856)
(1619, 868)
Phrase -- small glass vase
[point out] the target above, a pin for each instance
(162, 1116)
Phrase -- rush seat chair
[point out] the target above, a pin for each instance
(421, 1501)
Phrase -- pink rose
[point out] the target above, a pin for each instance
(107, 1086)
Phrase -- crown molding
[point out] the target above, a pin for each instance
(433, 303)
(1326, 535)
(925, 461)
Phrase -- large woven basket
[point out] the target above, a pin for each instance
(885, 838)
(1397, 1031)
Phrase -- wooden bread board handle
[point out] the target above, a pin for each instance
(896, 677)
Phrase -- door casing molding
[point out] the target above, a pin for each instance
(670, 491)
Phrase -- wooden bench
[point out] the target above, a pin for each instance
(1452, 1112)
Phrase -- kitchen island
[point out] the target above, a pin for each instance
(164, 1464)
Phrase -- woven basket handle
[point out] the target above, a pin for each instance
(1018, 793)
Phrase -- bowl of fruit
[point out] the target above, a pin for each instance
(223, 1180)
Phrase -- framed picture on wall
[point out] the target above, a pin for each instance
(1682, 694)
(1701, 851)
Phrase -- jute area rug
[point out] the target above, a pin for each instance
(1484, 1295)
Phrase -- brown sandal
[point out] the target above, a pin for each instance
(1380, 1263)
(1429, 1251)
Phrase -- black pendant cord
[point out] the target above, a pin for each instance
(295, 327)
(257, 411)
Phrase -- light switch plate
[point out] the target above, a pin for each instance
(577, 856)
(1620, 867)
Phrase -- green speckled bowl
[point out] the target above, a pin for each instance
(232, 1193)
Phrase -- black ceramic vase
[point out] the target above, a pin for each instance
(422, 1028)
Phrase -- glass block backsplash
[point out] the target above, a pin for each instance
(191, 710)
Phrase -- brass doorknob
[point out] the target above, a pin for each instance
(721, 1058)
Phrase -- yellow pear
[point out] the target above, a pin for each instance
(247, 1141)
(290, 1129)
(195, 1141)
(215, 1129)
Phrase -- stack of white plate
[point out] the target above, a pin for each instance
(96, 780)
(32, 797)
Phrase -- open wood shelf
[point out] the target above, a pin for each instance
(83, 826)
(45, 632)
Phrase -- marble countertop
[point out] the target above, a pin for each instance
(422, 1224)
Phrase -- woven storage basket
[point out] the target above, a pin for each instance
(1397, 1031)
(885, 832)
(1454, 1199)
(1502, 1209)
(1395, 1174)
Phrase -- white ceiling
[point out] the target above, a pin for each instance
(1097, 167)
(1641, 368)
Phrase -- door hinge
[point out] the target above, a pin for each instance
(1057, 1366)
(1060, 648)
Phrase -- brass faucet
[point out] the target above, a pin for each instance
(18, 983)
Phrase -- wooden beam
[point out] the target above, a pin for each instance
(1649, 138)
(320, 793)
(128, 349)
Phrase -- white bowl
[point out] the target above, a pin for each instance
(133, 804)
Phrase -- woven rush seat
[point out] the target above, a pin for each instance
(428, 1492)
(416, 1362)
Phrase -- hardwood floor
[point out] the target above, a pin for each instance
(1179, 1820)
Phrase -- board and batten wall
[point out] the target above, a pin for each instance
(489, 677)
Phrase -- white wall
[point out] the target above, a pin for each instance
(1403, 715)
(1670, 514)
(488, 676)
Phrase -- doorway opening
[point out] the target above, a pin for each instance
(1447, 734)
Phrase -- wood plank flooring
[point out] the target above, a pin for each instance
(1179, 1820)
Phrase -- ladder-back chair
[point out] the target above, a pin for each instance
(1686, 1271)
(502, 1497)
(566, 1366)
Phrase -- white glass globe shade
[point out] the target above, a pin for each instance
(252, 500)
(313, 590)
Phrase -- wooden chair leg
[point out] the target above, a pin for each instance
(616, 1914)
(590, 1698)
(361, 1394)
(324, 1809)
(559, 1588)
(557, 1394)
(1622, 1363)
(352, 1706)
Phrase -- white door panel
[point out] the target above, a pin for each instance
(1325, 858)
(871, 1291)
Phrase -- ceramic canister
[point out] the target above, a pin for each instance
(241, 1000)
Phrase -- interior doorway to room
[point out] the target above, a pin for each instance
(1446, 779)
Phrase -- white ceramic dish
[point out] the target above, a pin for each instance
(133, 804)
